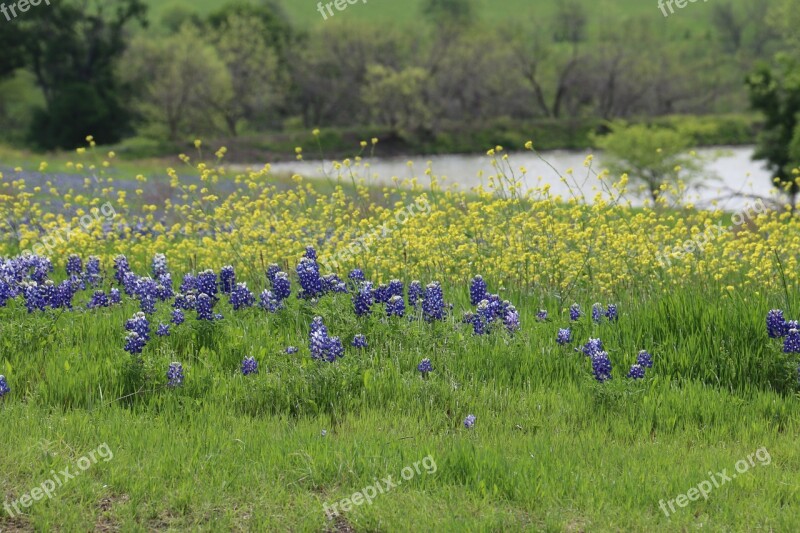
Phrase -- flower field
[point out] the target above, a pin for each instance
(559, 375)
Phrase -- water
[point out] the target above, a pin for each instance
(730, 179)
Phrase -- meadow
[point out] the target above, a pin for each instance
(228, 406)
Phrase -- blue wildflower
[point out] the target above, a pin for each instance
(99, 299)
(291, 350)
(575, 312)
(592, 347)
(205, 307)
(114, 296)
(362, 299)
(4, 388)
(249, 366)
(469, 421)
(74, 265)
(227, 278)
(163, 330)
(636, 372)
(564, 336)
(175, 375)
(241, 297)
(792, 342)
(597, 312)
(644, 359)
(178, 317)
(158, 267)
(776, 324)
(269, 302)
(477, 290)
(139, 325)
(311, 283)
(396, 306)
(511, 319)
(425, 366)
(356, 275)
(359, 341)
(134, 344)
(311, 253)
(601, 366)
(541, 315)
(121, 267)
(281, 287)
(207, 283)
(414, 293)
(433, 302)
(611, 313)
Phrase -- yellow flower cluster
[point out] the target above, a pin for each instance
(520, 237)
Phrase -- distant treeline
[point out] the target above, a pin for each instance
(101, 67)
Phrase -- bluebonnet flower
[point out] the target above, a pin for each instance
(139, 325)
(322, 346)
(381, 294)
(776, 324)
(792, 324)
(575, 312)
(218, 316)
(644, 359)
(334, 349)
(611, 313)
(281, 286)
(592, 347)
(792, 342)
(159, 265)
(36, 297)
(511, 320)
(597, 312)
(4, 388)
(425, 366)
(114, 296)
(74, 265)
(541, 315)
(134, 344)
(433, 302)
(63, 293)
(359, 341)
(93, 271)
(291, 350)
(189, 283)
(130, 282)
(121, 267)
(228, 279)
(175, 375)
(396, 306)
(332, 283)
(272, 270)
(601, 366)
(185, 302)
(207, 283)
(178, 317)
(249, 366)
(269, 302)
(205, 307)
(242, 297)
(356, 275)
(564, 336)
(163, 330)
(311, 253)
(396, 288)
(99, 299)
(164, 287)
(636, 372)
(310, 281)
(469, 421)
(477, 290)
(414, 293)
(362, 299)
(476, 320)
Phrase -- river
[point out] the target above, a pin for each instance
(729, 178)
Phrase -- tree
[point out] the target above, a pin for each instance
(653, 156)
(395, 99)
(180, 81)
(72, 49)
(775, 91)
(256, 80)
(450, 13)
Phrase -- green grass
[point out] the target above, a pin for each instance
(551, 450)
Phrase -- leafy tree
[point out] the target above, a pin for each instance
(72, 49)
(256, 80)
(395, 99)
(179, 80)
(775, 91)
(450, 13)
(653, 156)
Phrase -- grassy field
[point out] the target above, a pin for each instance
(552, 448)
(607, 12)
